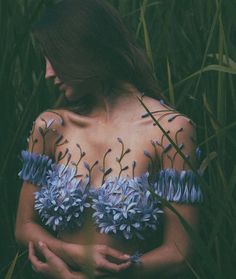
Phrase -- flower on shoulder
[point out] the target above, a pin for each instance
(178, 186)
(35, 167)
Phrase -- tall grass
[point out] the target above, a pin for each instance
(191, 45)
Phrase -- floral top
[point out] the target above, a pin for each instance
(125, 206)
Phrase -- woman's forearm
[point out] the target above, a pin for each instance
(34, 232)
(165, 261)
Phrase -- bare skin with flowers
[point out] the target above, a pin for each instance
(109, 172)
(77, 170)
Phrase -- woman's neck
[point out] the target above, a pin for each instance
(108, 108)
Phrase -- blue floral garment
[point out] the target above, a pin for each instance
(123, 206)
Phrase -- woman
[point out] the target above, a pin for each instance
(97, 173)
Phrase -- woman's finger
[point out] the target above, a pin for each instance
(113, 267)
(117, 254)
(78, 275)
(54, 267)
(101, 274)
(46, 252)
(37, 264)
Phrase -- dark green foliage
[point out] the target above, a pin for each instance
(192, 47)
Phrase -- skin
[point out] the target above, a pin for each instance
(64, 254)
(55, 267)
(49, 73)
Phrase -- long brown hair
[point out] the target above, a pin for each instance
(86, 40)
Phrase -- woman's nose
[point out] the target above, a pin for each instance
(49, 73)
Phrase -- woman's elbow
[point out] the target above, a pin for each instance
(181, 262)
(21, 232)
(18, 235)
(181, 265)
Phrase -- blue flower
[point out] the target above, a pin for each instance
(135, 258)
(126, 207)
(62, 201)
(178, 186)
(35, 167)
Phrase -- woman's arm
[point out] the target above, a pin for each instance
(27, 229)
(56, 268)
(42, 141)
(170, 258)
(53, 267)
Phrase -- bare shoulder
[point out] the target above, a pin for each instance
(170, 119)
(46, 130)
(169, 130)
(51, 118)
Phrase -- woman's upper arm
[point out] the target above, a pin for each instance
(175, 235)
(35, 163)
(25, 211)
(180, 185)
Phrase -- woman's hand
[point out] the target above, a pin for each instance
(100, 258)
(54, 267)
(96, 256)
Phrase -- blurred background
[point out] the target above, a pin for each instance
(191, 45)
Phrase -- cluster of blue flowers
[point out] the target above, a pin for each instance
(122, 206)
(61, 202)
(35, 167)
(126, 207)
(178, 186)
